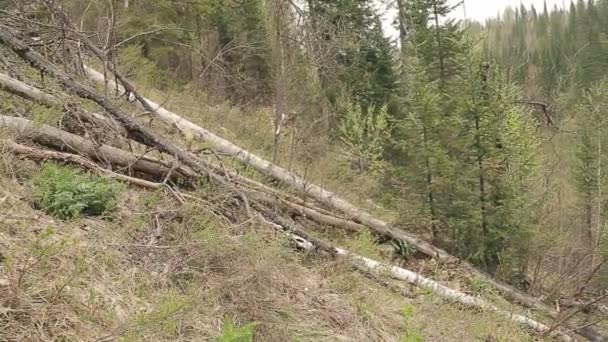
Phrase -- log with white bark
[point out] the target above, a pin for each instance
(330, 199)
(19, 88)
(64, 141)
(28, 92)
(448, 293)
(327, 197)
(367, 265)
(135, 130)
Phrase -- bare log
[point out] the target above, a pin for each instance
(64, 141)
(311, 214)
(369, 266)
(448, 293)
(28, 92)
(43, 155)
(135, 130)
(21, 89)
(276, 172)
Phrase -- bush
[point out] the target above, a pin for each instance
(230, 333)
(67, 193)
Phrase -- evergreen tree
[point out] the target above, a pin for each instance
(592, 160)
(437, 39)
(363, 57)
(497, 157)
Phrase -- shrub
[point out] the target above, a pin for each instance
(67, 193)
(230, 333)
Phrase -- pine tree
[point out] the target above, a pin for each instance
(437, 39)
(497, 156)
(592, 160)
(363, 58)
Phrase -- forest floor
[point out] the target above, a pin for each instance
(158, 271)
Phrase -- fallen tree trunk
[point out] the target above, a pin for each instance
(42, 155)
(64, 141)
(368, 265)
(448, 293)
(332, 200)
(28, 92)
(276, 172)
(135, 130)
(311, 214)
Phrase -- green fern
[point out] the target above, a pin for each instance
(230, 333)
(66, 193)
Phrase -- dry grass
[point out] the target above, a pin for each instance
(158, 271)
(163, 272)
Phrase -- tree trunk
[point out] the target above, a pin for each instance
(64, 141)
(442, 72)
(42, 155)
(429, 184)
(280, 29)
(34, 94)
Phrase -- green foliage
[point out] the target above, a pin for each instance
(134, 64)
(66, 193)
(45, 115)
(364, 135)
(482, 288)
(362, 62)
(555, 51)
(503, 143)
(409, 335)
(230, 333)
(364, 243)
(591, 157)
(437, 41)
(162, 318)
(215, 43)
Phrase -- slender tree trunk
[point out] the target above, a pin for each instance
(429, 184)
(482, 180)
(598, 225)
(442, 73)
(279, 56)
(402, 19)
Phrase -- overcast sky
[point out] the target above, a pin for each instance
(476, 10)
(483, 9)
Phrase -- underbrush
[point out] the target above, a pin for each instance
(67, 193)
(161, 271)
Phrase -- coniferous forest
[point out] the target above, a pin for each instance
(472, 153)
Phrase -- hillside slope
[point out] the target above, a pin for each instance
(160, 271)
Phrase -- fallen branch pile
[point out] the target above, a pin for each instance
(315, 203)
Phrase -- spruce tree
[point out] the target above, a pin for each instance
(497, 156)
(592, 161)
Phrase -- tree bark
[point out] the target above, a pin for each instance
(28, 92)
(64, 141)
(42, 155)
(448, 293)
(136, 131)
(370, 266)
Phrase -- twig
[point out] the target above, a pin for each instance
(574, 312)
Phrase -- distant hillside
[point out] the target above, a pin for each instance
(551, 50)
